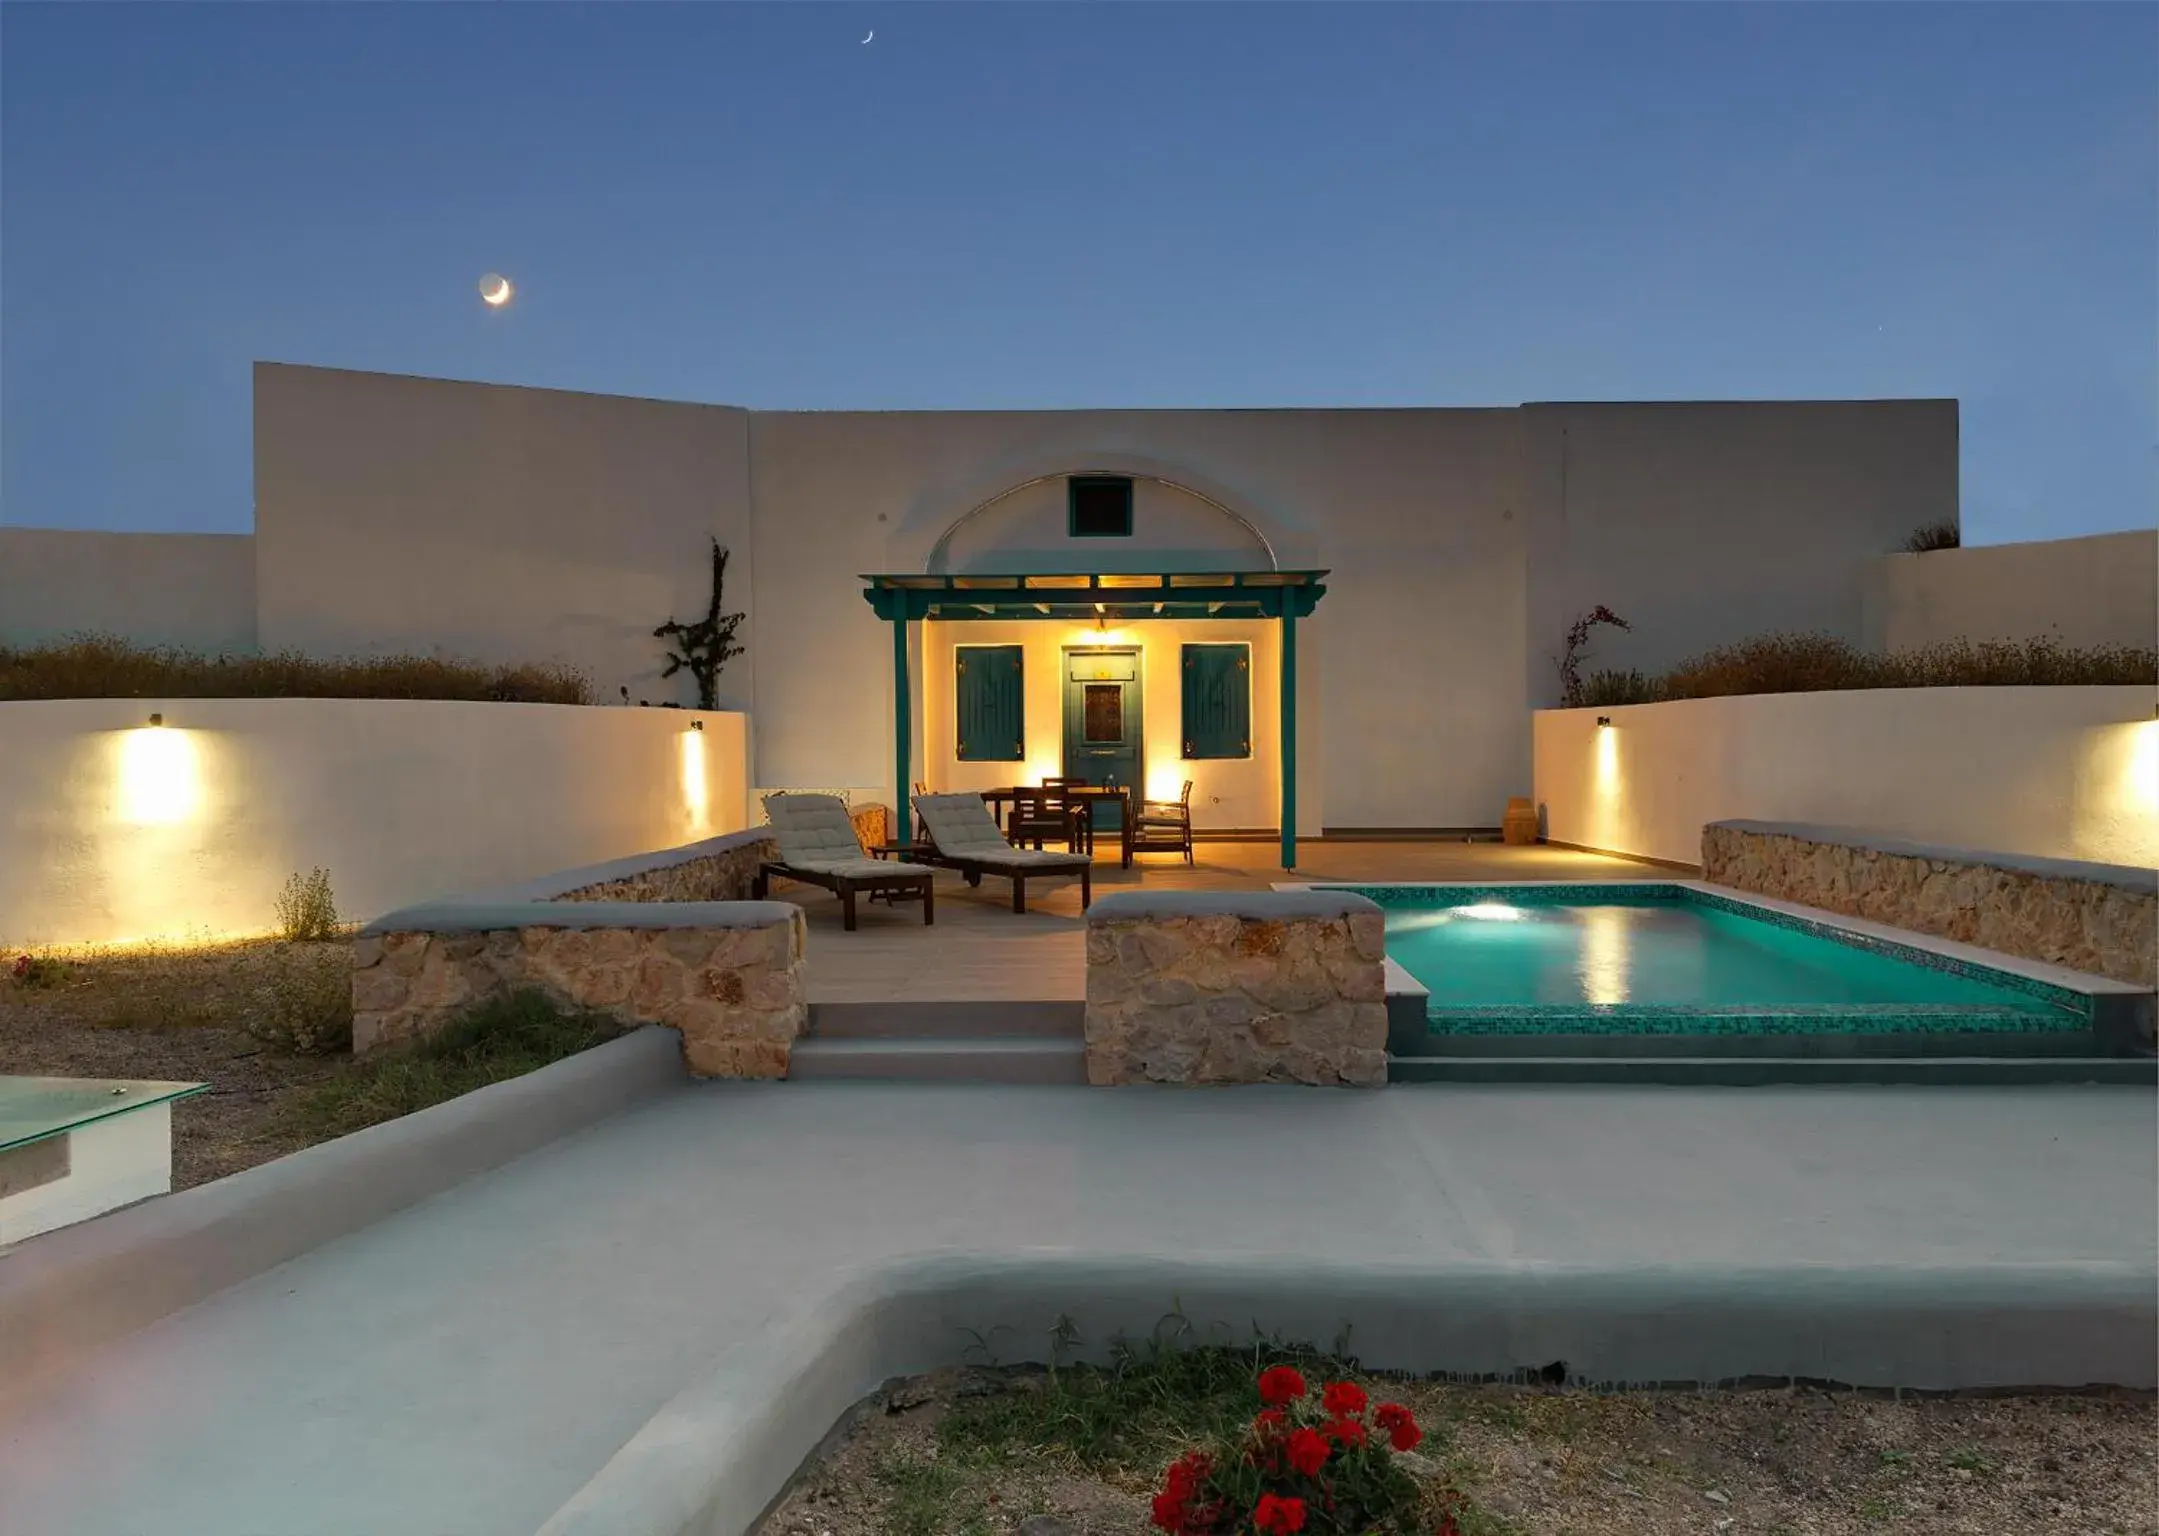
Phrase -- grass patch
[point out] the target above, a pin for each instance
(494, 1041)
(295, 995)
(1823, 663)
(105, 667)
(1152, 1402)
(922, 1498)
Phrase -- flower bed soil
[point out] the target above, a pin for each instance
(923, 1458)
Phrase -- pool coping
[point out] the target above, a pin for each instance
(2119, 1013)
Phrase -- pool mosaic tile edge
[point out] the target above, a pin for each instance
(1659, 1019)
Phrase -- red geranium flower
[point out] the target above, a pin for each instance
(1307, 1451)
(1343, 1398)
(1346, 1431)
(1402, 1431)
(1168, 1513)
(1280, 1384)
(1276, 1516)
(1186, 1473)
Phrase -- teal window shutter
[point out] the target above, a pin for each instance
(1217, 701)
(991, 714)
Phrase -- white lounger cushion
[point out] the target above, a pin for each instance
(815, 832)
(852, 869)
(962, 828)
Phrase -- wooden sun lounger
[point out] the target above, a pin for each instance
(818, 846)
(979, 857)
(892, 879)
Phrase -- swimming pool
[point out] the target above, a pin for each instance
(1673, 958)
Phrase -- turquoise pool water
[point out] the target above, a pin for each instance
(1669, 958)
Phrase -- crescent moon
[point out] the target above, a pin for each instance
(499, 295)
(873, 33)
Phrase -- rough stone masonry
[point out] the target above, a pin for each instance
(2095, 918)
(1247, 987)
(728, 976)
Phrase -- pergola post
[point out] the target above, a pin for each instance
(1289, 732)
(902, 746)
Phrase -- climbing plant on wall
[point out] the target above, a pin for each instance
(703, 648)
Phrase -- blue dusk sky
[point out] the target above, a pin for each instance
(1033, 206)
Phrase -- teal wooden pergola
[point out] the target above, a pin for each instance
(1285, 596)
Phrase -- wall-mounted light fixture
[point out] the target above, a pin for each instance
(697, 725)
(157, 719)
(1604, 719)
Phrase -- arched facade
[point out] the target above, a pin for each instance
(1012, 518)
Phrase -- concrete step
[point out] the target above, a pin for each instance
(1914, 1044)
(978, 1059)
(1756, 1072)
(1004, 1018)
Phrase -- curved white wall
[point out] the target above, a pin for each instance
(2070, 773)
(111, 829)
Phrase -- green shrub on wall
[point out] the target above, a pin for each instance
(1822, 663)
(104, 667)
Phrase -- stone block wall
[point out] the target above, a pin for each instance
(728, 976)
(724, 875)
(1215, 987)
(2094, 918)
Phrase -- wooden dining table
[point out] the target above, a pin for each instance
(998, 799)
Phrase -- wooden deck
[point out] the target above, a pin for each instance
(981, 951)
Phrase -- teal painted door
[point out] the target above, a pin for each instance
(1103, 742)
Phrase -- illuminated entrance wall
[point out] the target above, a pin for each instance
(1227, 793)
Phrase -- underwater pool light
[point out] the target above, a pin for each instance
(1491, 911)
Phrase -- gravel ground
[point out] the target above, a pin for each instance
(179, 1012)
(1542, 1462)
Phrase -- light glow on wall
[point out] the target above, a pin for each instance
(2140, 776)
(1165, 781)
(159, 776)
(1490, 912)
(696, 797)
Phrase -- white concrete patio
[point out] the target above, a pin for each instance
(466, 1365)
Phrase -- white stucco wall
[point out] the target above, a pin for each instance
(501, 524)
(1702, 524)
(1411, 709)
(2057, 772)
(195, 590)
(1227, 793)
(2100, 590)
(401, 514)
(113, 830)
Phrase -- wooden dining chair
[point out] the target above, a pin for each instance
(1080, 809)
(1165, 826)
(1038, 816)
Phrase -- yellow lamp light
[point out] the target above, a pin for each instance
(160, 775)
(696, 799)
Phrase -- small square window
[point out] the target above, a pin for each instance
(1101, 506)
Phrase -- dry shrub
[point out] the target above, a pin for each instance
(1932, 536)
(306, 909)
(105, 667)
(303, 1002)
(1820, 663)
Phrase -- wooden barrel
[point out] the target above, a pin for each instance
(1519, 825)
